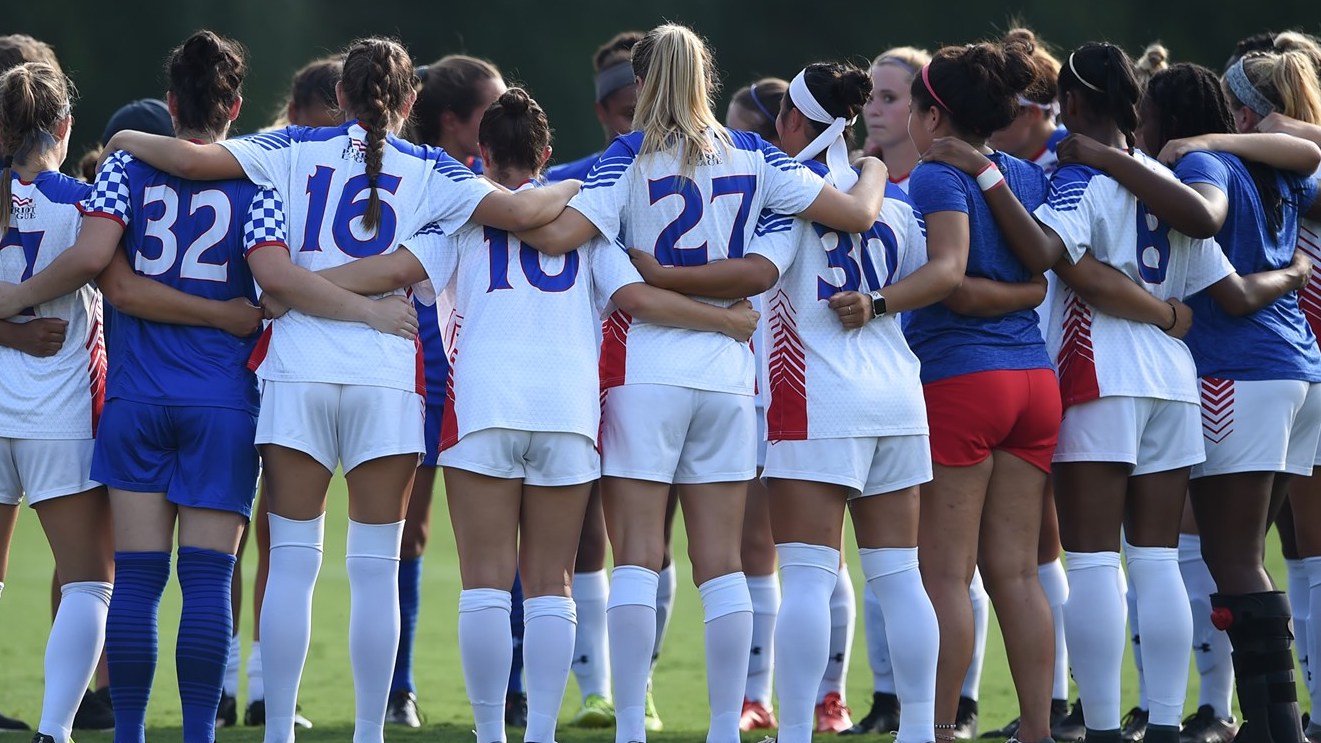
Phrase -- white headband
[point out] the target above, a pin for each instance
(831, 140)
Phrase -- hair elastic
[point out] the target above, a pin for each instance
(1247, 94)
(831, 140)
(614, 78)
(1081, 79)
(752, 91)
(897, 62)
(926, 82)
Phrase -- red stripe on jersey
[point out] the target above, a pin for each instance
(1310, 297)
(786, 415)
(96, 367)
(449, 422)
(1217, 409)
(1077, 365)
(260, 350)
(104, 215)
(420, 380)
(614, 348)
(267, 244)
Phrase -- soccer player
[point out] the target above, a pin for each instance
(615, 97)
(684, 188)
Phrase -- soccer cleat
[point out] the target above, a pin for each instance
(883, 717)
(1203, 726)
(832, 715)
(11, 725)
(516, 710)
(756, 716)
(227, 714)
(255, 715)
(95, 712)
(965, 720)
(1059, 709)
(401, 709)
(43, 738)
(651, 720)
(1134, 726)
(596, 712)
(1071, 727)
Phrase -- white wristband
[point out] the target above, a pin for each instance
(989, 177)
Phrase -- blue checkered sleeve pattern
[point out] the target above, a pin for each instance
(110, 194)
(265, 223)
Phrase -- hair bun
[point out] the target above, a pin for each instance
(1024, 36)
(515, 101)
(853, 87)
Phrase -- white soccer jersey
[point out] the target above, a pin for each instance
(687, 220)
(826, 381)
(522, 336)
(1098, 355)
(322, 175)
(60, 396)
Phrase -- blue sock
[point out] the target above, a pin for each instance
(205, 631)
(516, 629)
(130, 638)
(410, 598)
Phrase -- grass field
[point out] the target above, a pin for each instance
(327, 690)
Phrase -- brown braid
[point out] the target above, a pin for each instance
(378, 79)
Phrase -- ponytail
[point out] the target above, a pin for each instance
(34, 97)
(674, 100)
(377, 82)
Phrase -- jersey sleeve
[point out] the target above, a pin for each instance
(604, 194)
(611, 269)
(110, 194)
(1069, 209)
(914, 247)
(435, 250)
(774, 240)
(1306, 191)
(265, 224)
(266, 158)
(1207, 264)
(452, 199)
(1203, 167)
(790, 187)
(936, 187)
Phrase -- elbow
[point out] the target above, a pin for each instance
(862, 220)
(633, 302)
(1236, 305)
(1202, 226)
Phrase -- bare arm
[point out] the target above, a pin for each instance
(1278, 150)
(857, 210)
(1110, 291)
(567, 232)
(663, 307)
(1243, 295)
(733, 278)
(528, 209)
(41, 337)
(198, 162)
(312, 294)
(377, 274)
(151, 300)
(1278, 122)
(97, 242)
(980, 297)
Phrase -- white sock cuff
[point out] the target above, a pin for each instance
(764, 584)
(2, 587)
(800, 555)
(725, 595)
(1313, 567)
(1053, 582)
(478, 599)
(1190, 547)
(254, 654)
(593, 586)
(1074, 561)
(291, 533)
(374, 540)
(549, 606)
(632, 585)
(95, 588)
(879, 563)
(1150, 554)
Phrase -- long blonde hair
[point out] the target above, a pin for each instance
(1288, 80)
(675, 99)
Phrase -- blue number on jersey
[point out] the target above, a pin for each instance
(497, 242)
(30, 242)
(352, 205)
(1153, 247)
(841, 257)
(666, 250)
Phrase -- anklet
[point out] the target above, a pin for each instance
(948, 726)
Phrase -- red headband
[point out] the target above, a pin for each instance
(926, 81)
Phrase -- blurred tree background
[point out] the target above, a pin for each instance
(114, 52)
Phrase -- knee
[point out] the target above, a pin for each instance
(414, 541)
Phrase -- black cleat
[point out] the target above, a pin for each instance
(255, 715)
(1203, 726)
(43, 738)
(10, 725)
(1134, 726)
(95, 712)
(883, 717)
(402, 710)
(516, 710)
(227, 714)
(965, 719)
(1071, 727)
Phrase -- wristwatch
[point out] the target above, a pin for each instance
(877, 304)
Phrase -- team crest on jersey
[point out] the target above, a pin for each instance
(23, 208)
(355, 151)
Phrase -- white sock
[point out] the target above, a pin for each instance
(765, 593)
(727, 610)
(1094, 615)
(286, 616)
(666, 584)
(1300, 598)
(1056, 585)
(72, 650)
(981, 617)
(549, 624)
(1135, 635)
(893, 575)
(2, 587)
(373, 569)
(1211, 647)
(843, 617)
(1313, 569)
(231, 684)
(802, 633)
(1163, 601)
(256, 689)
(630, 616)
(487, 650)
(591, 651)
(878, 648)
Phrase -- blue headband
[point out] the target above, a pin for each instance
(897, 62)
(752, 91)
(614, 78)
(1247, 94)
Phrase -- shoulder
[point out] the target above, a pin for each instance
(573, 169)
(769, 223)
(929, 177)
(1203, 166)
(1069, 184)
(59, 188)
(615, 161)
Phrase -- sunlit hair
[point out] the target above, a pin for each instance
(34, 97)
(674, 106)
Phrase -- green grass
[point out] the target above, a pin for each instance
(327, 690)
